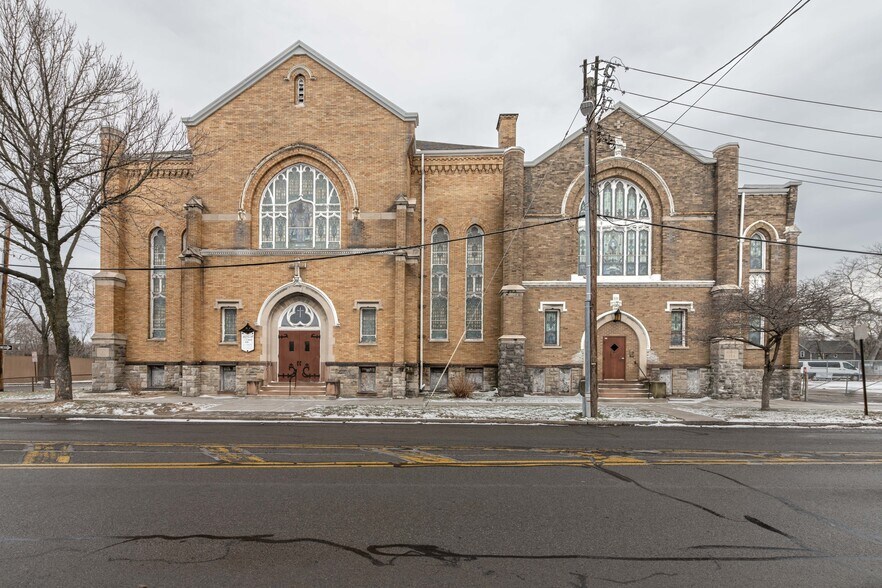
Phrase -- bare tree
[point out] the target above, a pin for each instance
(60, 168)
(762, 317)
(855, 286)
(29, 321)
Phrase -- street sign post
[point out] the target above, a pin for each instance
(861, 332)
(34, 360)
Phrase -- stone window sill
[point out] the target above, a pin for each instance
(551, 347)
(157, 340)
(368, 343)
(678, 347)
(438, 340)
(474, 340)
(228, 343)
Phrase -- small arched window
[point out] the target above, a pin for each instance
(300, 84)
(157, 284)
(474, 284)
(440, 273)
(300, 209)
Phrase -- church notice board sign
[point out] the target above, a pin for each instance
(247, 338)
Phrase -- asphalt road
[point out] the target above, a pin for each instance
(99, 503)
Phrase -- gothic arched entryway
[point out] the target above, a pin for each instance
(300, 336)
(297, 323)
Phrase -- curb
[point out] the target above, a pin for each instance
(287, 418)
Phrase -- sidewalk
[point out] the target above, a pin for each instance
(835, 410)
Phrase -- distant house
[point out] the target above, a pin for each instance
(832, 349)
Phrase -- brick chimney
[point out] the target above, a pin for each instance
(507, 128)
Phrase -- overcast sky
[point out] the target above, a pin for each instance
(460, 64)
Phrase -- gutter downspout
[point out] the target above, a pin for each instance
(741, 243)
(422, 262)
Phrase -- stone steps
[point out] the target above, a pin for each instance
(311, 390)
(622, 391)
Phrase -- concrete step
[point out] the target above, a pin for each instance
(301, 390)
(621, 390)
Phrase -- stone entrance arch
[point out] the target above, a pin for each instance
(640, 334)
(270, 315)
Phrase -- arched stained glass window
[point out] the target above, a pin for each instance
(157, 284)
(440, 274)
(474, 284)
(625, 245)
(758, 251)
(300, 209)
(758, 261)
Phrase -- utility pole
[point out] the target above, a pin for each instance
(588, 109)
(4, 286)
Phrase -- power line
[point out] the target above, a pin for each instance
(813, 176)
(771, 143)
(810, 181)
(800, 175)
(315, 258)
(800, 4)
(821, 171)
(757, 118)
(730, 236)
(488, 233)
(756, 92)
(790, 165)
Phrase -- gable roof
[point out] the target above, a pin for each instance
(637, 117)
(298, 48)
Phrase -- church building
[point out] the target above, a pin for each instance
(289, 256)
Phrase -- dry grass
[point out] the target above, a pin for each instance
(461, 387)
(134, 385)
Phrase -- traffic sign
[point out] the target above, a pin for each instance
(5, 347)
(861, 332)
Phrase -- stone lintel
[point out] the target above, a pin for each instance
(105, 278)
(513, 289)
(109, 339)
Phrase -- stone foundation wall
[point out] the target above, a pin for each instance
(108, 367)
(727, 364)
(350, 385)
(248, 373)
(684, 382)
(512, 373)
(563, 381)
(698, 382)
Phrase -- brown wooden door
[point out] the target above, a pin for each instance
(300, 355)
(613, 358)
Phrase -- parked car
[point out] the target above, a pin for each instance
(830, 370)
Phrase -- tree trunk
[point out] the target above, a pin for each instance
(766, 394)
(56, 303)
(63, 376)
(44, 352)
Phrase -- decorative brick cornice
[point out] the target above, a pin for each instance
(460, 165)
(162, 172)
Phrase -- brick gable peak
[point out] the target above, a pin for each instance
(298, 48)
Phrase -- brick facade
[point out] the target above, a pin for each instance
(394, 190)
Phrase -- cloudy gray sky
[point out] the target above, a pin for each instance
(461, 63)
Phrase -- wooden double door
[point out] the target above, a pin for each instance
(614, 358)
(300, 355)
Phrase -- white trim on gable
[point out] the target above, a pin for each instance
(298, 48)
